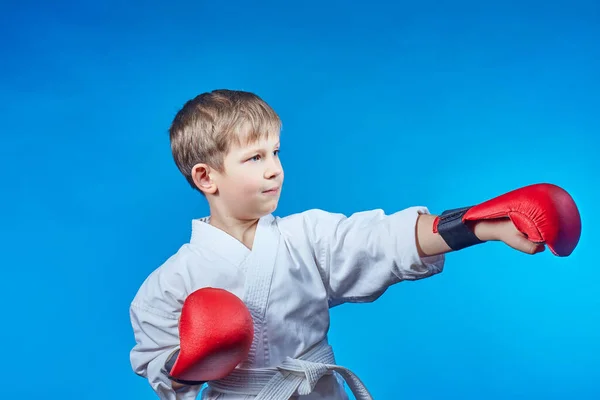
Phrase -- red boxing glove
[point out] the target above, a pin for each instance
(215, 334)
(544, 213)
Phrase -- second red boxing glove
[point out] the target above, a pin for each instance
(544, 213)
(215, 333)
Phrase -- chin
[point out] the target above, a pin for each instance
(262, 209)
(271, 208)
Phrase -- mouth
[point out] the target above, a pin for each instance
(272, 190)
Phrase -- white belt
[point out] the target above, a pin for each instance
(293, 376)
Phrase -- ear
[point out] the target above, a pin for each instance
(201, 174)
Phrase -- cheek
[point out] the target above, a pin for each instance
(246, 188)
(246, 184)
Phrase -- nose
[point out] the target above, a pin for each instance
(274, 169)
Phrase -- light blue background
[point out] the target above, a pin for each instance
(384, 106)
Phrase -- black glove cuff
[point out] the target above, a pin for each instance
(454, 231)
(168, 366)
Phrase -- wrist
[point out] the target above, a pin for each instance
(456, 232)
(177, 386)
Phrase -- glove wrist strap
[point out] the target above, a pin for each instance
(454, 231)
(168, 366)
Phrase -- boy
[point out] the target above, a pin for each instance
(291, 270)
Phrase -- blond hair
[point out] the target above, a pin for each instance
(206, 127)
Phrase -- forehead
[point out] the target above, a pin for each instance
(244, 141)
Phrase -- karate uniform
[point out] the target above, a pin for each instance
(298, 268)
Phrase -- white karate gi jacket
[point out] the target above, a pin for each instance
(298, 268)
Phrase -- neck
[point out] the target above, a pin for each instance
(242, 230)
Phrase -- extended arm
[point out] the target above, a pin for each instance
(525, 219)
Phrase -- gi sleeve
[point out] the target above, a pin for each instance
(362, 255)
(156, 335)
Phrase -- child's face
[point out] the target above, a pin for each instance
(250, 186)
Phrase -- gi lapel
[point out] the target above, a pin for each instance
(215, 240)
(259, 272)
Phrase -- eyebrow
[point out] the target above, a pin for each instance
(253, 150)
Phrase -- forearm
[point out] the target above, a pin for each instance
(428, 242)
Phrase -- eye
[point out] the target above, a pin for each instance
(255, 158)
(276, 153)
